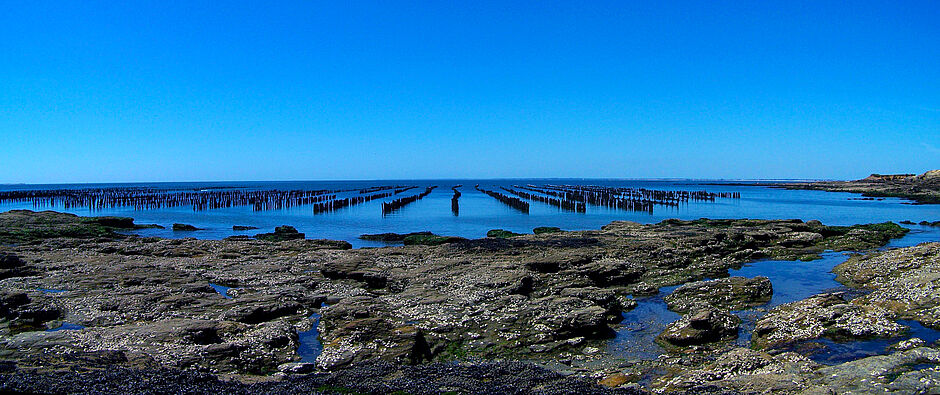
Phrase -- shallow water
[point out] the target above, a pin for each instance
(66, 327)
(309, 346)
(636, 334)
(829, 352)
(480, 213)
(222, 290)
(792, 281)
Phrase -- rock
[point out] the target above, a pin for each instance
(878, 373)
(501, 233)
(731, 293)
(355, 269)
(281, 233)
(253, 313)
(26, 313)
(546, 229)
(552, 262)
(705, 325)
(908, 344)
(826, 315)
(392, 237)
(614, 380)
(741, 370)
(244, 227)
(297, 367)
(644, 289)
(612, 272)
(26, 227)
(13, 266)
(801, 239)
(431, 239)
(184, 227)
(402, 305)
(113, 222)
(904, 281)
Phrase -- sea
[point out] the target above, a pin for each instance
(479, 213)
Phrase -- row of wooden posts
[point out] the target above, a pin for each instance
(388, 207)
(620, 198)
(564, 204)
(573, 198)
(510, 201)
(146, 199)
(574, 192)
(202, 199)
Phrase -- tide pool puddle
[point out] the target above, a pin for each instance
(66, 327)
(829, 352)
(309, 346)
(918, 234)
(796, 280)
(222, 290)
(635, 338)
(51, 291)
(792, 281)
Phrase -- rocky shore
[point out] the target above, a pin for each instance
(503, 314)
(923, 188)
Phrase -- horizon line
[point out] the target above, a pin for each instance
(439, 179)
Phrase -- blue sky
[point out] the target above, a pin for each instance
(187, 91)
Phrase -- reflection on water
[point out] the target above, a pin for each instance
(637, 332)
(66, 327)
(222, 290)
(309, 346)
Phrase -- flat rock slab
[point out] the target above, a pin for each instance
(732, 293)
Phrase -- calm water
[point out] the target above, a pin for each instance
(792, 281)
(480, 213)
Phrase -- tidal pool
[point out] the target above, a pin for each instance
(792, 281)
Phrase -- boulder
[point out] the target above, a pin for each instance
(706, 325)
(281, 233)
(113, 222)
(825, 315)
(297, 367)
(732, 293)
(184, 227)
(546, 229)
(501, 233)
(392, 237)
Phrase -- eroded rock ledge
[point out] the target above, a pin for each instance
(539, 297)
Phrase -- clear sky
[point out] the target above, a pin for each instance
(187, 90)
